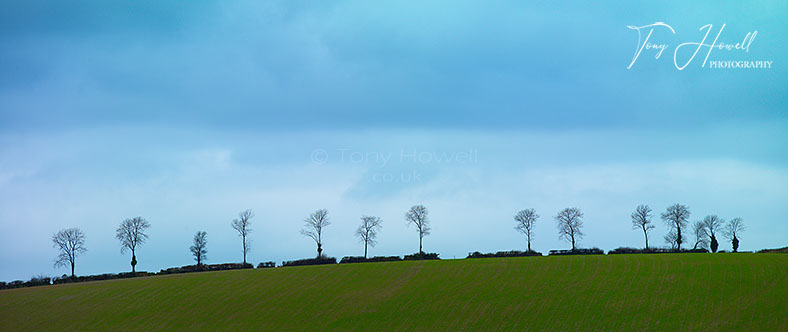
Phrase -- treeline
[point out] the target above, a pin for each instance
(324, 260)
(132, 234)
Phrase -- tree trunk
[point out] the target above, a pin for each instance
(646, 236)
(573, 243)
(72, 268)
(420, 251)
(365, 250)
(133, 261)
(529, 245)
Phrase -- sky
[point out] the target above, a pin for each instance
(188, 112)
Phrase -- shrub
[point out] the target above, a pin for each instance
(361, 259)
(107, 276)
(421, 256)
(38, 281)
(311, 261)
(264, 265)
(591, 251)
(511, 253)
(203, 267)
(625, 250)
(778, 250)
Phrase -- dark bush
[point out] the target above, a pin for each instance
(107, 276)
(624, 250)
(770, 251)
(184, 269)
(591, 251)
(511, 253)
(203, 267)
(38, 281)
(361, 259)
(12, 284)
(311, 261)
(421, 256)
(264, 265)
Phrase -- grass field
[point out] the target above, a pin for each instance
(685, 292)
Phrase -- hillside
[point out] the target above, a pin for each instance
(778, 250)
(688, 292)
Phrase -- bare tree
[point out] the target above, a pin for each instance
(670, 239)
(641, 219)
(367, 232)
(526, 219)
(733, 228)
(314, 224)
(419, 216)
(676, 217)
(712, 224)
(69, 243)
(570, 222)
(199, 248)
(242, 226)
(131, 234)
(701, 236)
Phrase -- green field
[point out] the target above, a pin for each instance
(684, 292)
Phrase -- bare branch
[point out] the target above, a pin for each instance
(570, 223)
(131, 234)
(676, 217)
(732, 231)
(198, 249)
(419, 216)
(641, 219)
(314, 224)
(69, 243)
(242, 226)
(367, 232)
(526, 219)
(701, 235)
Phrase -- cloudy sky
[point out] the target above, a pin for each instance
(187, 113)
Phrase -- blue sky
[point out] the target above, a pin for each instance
(188, 113)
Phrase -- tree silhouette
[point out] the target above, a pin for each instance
(242, 225)
(676, 217)
(670, 239)
(314, 224)
(733, 229)
(699, 230)
(712, 225)
(526, 219)
(419, 216)
(198, 249)
(367, 232)
(641, 219)
(570, 223)
(69, 243)
(131, 233)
